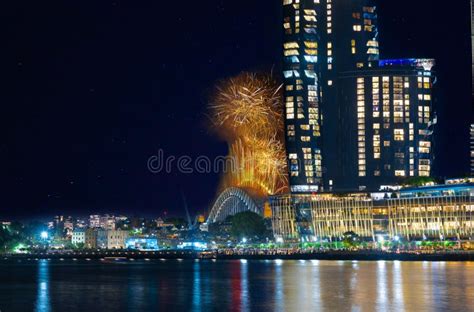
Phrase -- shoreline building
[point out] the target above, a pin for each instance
(302, 49)
(79, 236)
(335, 88)
(388, 126)
(94, 221)
(355, 122)
(111, 239)
(90, 238)
(142, 243)
(412, 214)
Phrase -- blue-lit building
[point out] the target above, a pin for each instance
(142, 243)
(465, 189)
(193, 245)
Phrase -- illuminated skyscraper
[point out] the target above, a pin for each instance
(472, 149)
(336, 88)
(352, 44)
(472, 81)
(472, 45)
(388, 124)
(302, 93)
(321, 39)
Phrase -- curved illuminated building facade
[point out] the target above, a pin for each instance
(413, 214)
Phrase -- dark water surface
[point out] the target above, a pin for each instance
(189, 285)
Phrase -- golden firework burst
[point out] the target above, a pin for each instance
(247, 111)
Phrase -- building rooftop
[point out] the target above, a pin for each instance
(439, 190)
(427, 64)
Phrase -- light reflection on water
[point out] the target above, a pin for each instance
(278, 285)
(43, 300)
(197, 287)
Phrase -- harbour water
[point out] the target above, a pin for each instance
(237, 285)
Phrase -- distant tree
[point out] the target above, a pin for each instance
(418, 181)
(350, 239)
(11, 236)
(79, 246)
(16, 228)
(69, 245)
(248, 224)
(3, 238)
(122, 225)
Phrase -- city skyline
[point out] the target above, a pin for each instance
(89, 156)
(237, 155)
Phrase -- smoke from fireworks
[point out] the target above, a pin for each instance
(247, 111)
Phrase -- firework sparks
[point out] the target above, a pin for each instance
(247, 111)
(248, 105)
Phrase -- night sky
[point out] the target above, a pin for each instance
(92, 89)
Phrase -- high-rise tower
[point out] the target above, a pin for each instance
(351, 41)
(471, 148)
(471, 129)
(302, 93)
(472, 49)
(388, 122)
(321, 39)
(336, 88)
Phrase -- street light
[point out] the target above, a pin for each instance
(44, 235)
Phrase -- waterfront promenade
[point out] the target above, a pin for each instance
(250, 254)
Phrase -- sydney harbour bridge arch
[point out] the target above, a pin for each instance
(230, 202)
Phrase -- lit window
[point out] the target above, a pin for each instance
(399, 135)
(399, 173)
(291, 45)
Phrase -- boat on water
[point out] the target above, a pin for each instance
(115, 259)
